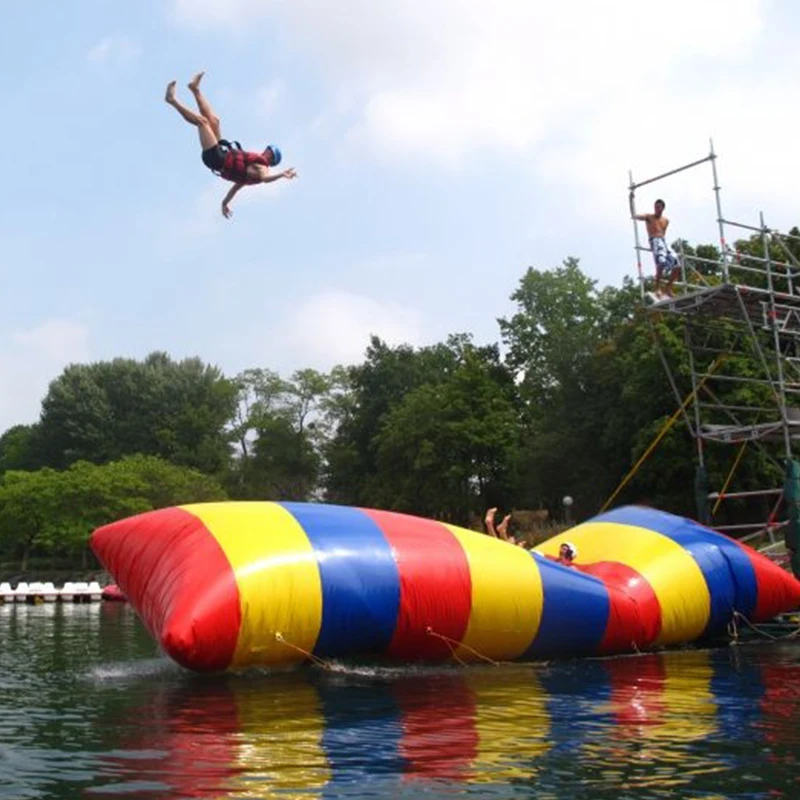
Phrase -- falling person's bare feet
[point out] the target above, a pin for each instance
(194, 83)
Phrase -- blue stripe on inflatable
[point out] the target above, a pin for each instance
(354, 714)
(728, 572)
(359, 576)
(578, 701)
(738, 687)
(574, 613)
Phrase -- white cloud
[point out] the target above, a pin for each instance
(334, 327)
(114, 50)
(205, 14)
(451, 79)
(268, 98)
(30, 359)
(58, 340)
(569, 95)
(202, 218)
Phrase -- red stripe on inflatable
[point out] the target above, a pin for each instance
(778, 590)
(435, 586)
(178, 579)
(440, 739)
(634, 616)
(779, 701)
(178, 724)
(637, 692)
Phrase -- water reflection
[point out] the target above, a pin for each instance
(654, 723)
(86, 706)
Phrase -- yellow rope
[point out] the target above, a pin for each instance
(733, 630)
(446, 639)
(450, 642)
(318, 661)
(661, 434)
(430, 632)
(728, 480)
(792, 635)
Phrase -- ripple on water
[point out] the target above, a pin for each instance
(88, 708)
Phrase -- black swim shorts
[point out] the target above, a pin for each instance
(214, 157)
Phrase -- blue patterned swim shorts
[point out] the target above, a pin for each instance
(665, 259)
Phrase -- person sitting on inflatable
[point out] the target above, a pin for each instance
(224, 158)
(567, 554)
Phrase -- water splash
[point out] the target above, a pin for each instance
(132, 670)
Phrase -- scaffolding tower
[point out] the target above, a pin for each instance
(740, 314)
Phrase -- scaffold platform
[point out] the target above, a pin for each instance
(740, 315)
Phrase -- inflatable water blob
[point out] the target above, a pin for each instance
(113, 594)
(237, 584)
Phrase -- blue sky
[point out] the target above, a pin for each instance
(442, 147)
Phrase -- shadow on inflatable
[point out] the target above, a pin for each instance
(632, 723)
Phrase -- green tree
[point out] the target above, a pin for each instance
(369, 392)
(162, 484)
(285, 464)
(595, 393)
(179, 411)
(260, 393)
(431, 430)
(29, 512)
(558, 324)
(552, 339)
(53, 512)
(17, 448)
(446, 447)
(281, 429)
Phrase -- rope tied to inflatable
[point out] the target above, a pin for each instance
(450, 642)
(733, 630)
(766, 634)
(316, 659)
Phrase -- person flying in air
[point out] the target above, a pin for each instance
(665, 260)
(224, 158)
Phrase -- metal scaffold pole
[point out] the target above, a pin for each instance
(743, 310)
(720, 219)
(773, 319)
(635, 186)
(632, 198)
(696, 405)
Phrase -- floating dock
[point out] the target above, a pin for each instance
(35, 592)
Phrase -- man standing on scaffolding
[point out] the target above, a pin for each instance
(665, 260)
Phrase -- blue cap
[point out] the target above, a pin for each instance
(276, 154)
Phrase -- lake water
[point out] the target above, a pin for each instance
(88, 709)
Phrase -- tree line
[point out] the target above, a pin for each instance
(563, 404)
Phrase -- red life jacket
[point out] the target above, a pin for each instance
(234, 168)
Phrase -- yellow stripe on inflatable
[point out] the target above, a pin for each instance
(281, 751)
(507, 597)
(690, 706)
(670, 570)
(512, 722)
(277, 576)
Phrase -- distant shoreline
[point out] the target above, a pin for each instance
(58, 576)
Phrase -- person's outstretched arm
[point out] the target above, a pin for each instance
(226, 212)
(287, 173)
